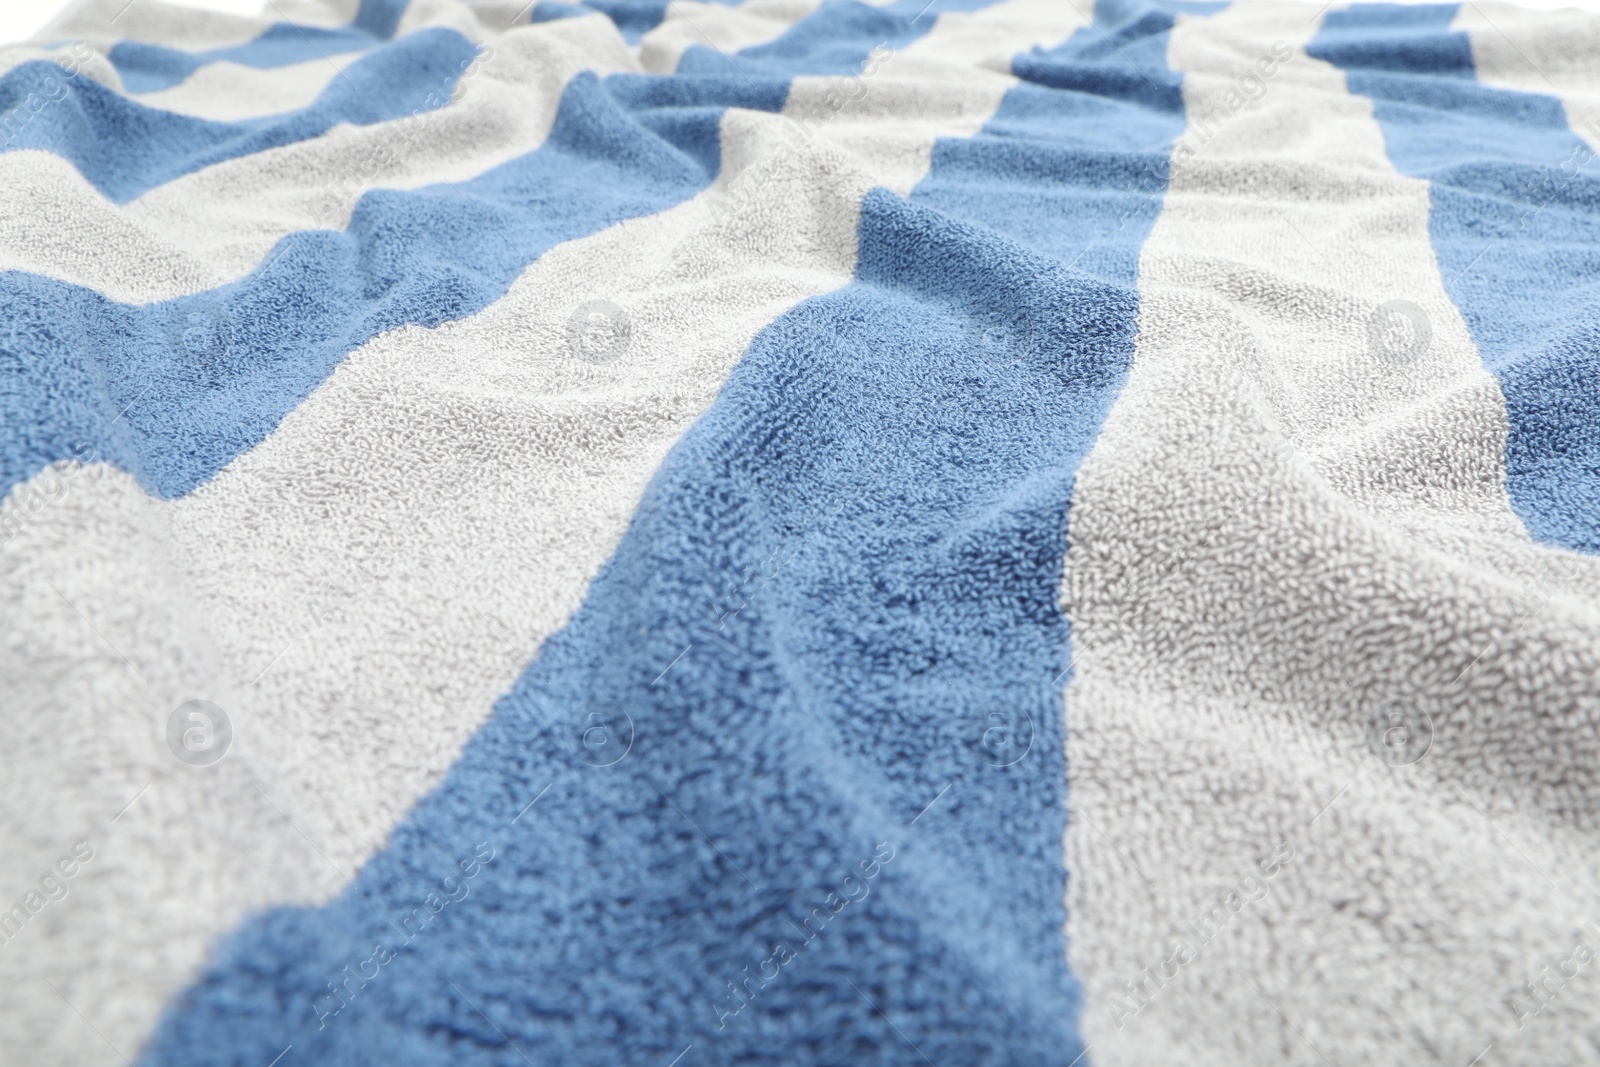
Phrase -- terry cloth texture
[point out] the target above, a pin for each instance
(800, 532)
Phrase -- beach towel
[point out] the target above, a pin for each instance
(800, 532)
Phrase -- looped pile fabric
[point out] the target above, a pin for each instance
(805, 532)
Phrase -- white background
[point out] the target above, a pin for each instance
(21, 19)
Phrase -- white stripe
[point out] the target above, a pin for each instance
(1238, 622)
(945, 84)
(217, 224)
(227, 92)
(481, 471)
(1548, 52)
(191, 29)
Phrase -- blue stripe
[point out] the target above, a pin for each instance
(1412, 41)
(175, 390)
(125, 149)
(833, 625)
(1086, 137)
(835, 39)
(148, 68)
(1515, 224)
(633, 18)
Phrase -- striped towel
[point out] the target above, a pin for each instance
(800, 532)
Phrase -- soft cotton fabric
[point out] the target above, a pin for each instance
(972, 532)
